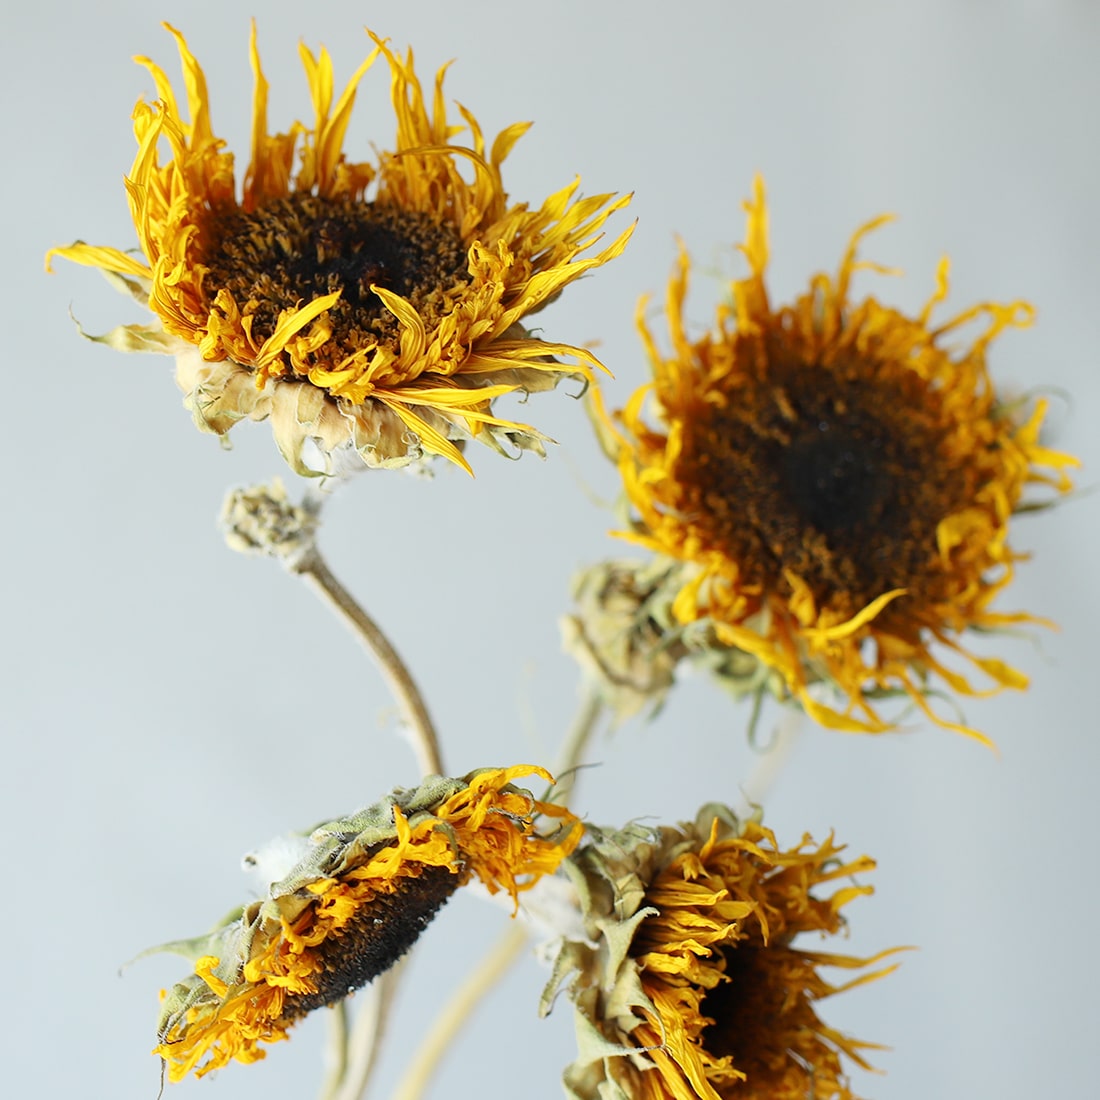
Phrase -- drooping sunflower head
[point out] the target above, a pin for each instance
(840, 479)
(359, 894)
(374, 311)
(692, 983)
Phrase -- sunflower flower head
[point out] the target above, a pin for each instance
(359, 893)
(839, 482)
(372, 311)
(690, 983)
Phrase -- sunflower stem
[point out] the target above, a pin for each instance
(336, 1051)
(770, 761)
(355, 1051)
(364, 1041)
(315, 572)
(482, 980)
(571, 753)
(458, 1012)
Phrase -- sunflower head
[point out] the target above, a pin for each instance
(690, 983)
(373, 311)
(360, 891)
(840, 479)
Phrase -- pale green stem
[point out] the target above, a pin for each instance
(770, 762)
(336, 1050)
(313, 569)
(352, 1055)
(465, 1000)
(571, 753)
(458, 1012)
(366, 1036)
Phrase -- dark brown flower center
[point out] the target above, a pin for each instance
(834, 477)
(748, 1010)
(836, 473)
(290, 251)
(379, 934)
(764, 1020)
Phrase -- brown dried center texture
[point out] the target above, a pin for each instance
(288, 252)
(379, 934)
(835, 473)
(754, 1015)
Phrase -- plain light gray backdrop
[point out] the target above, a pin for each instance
(169, 705)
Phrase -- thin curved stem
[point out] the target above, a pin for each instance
(771, 760)
(571, 753)
(458, 1011)
(481, 981)
(353, 1053)
(314, 570)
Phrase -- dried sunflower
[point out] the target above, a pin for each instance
(359, 893)
(840, 482)
(373, 311)
(622, 635)
(690, 983)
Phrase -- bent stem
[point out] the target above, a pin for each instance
(770, 762)
(314, 570)
(458, 1012)
(353, 1054)
(485, 976)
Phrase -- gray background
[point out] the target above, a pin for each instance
(168, 704)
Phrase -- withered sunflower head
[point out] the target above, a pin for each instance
(841, 479)
(373, 311)
(361, 891)
(622, 634)
(692, 983)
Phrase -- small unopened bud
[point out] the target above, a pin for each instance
(623, 632)
(262, 520)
